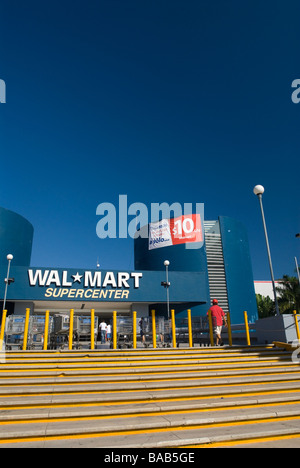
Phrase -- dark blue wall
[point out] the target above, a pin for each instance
(16, 235)
(238, 269)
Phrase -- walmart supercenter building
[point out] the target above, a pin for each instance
(212, 261)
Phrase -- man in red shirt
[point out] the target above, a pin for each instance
(218, 317)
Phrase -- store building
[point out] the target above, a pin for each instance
(219, 266)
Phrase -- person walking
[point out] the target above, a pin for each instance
(103, 328)
(109, 332)
(142, 330)
(218, 319)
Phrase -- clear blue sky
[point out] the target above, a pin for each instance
(162, 100)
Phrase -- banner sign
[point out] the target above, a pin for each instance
(46, 284)
(182, 230)
(160, 234)
(87, 285)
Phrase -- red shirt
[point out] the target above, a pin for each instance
(217, 315)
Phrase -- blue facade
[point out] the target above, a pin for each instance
(188, 274)
(238, 269)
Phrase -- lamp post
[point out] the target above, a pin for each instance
(296, 262)
(166, 284)
(7, 279)
(297, 269)
(259, 190)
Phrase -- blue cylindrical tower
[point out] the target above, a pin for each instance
(16, 236)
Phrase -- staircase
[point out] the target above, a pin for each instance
(166, 398)
(215, 263)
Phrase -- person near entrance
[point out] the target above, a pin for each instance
(108, 332)
(218, 319)
(142, 330)
(103, 329)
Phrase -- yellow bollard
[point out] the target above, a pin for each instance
(211, 330)
(153, 329)
(26, 327)
(247, 329)
(114, 330)
(134, 329)
(190, 328)
(92, 329)
(296, 324)
(229, 329)
(4, 313)
(71, 329)
(173, 328)
(46, 331)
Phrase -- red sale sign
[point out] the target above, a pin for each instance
(182, 230)
(186, 229)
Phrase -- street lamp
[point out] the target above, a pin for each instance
(297, 269)
(7, 280)
(296, 262)
(167, 284)
(259, 190)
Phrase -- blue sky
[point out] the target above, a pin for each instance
(165, 101)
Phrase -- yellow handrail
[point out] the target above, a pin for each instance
(46, 330)
(92, 329)
(26, 327)
(114, 329)
(190, 328)
(4, 313)
(71, 329)
(229, 329)
(247, 329)
(211, 330)
(173, 328)
(134, 328)
(153, 329)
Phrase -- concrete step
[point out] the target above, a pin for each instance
(144, 384)
(167, 398)
(165, 431)
(139, 361)
(30, 414)
(123, 424)
(164, 375)
(20, 373)
(121, 397)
